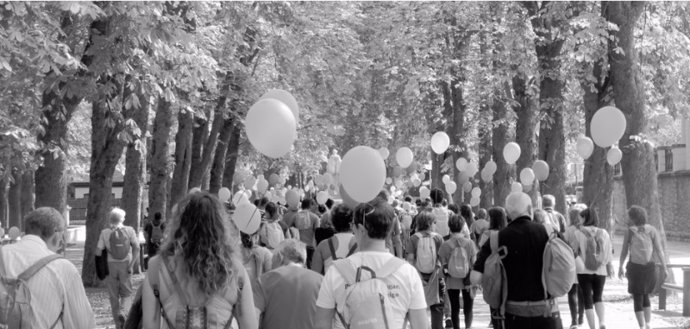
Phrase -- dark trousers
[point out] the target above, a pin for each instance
(539, 322)
(467, 305)
(436, 316)
(310, 254)
(576, 303)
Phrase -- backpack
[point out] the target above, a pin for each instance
(273, 234)
(426, 252)
(157, 234)
(641, 245)
(367, 301)
(329, 261)
(556, 221)
(459, 262)
(494, 279)
(187, 317)
(558, 267)
(303, 220)
(15, 297)
(594, 252)
(119, 244)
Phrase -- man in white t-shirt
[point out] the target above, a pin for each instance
(340, 245)
(372, 222)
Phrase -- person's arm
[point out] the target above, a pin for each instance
(478, 269)
(395, 238)
(417, 308)
(659, 250)
(100, 245)
(259, 298)
(324, 318)
(418, 319)
(267, 261)
(325, 302)
(134, 241)
(317, 258)
(151, 311)
(247, 318)
(624, 253)
(78, 313)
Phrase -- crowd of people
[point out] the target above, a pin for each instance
(382, 264)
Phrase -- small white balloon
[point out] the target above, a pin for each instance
(384, 153)
(404, 157)
(541, 170)
(467, 187)
(224, 194)
(585, 147)
(472, 169)
(516, 187)
(476, 192)
(461, 164)
(445, 179)
(416, 182)
(511, 152)
(527, 176)
(490, 167)
(614, 156)
(440, 142)
(474, 201)
(389, 180)
(451, 187)
(424, 192)
(271, 127)
(322, 197)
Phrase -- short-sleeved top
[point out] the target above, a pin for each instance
(277, 292)
(478, 227)
(414, 241)
(256, 261)
(571, 239)
(404, 286)
(556, 218)
(441, 214)
(580, 249)
(525, 241)
(342, 242)
(307, 236)
(104, 241)
(446, 251)
(148, 229)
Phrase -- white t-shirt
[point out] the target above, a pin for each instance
(441, 214)
(405, 287)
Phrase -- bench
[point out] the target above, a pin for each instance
(685, 289)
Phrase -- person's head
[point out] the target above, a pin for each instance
(638, 215)
(425, 220)
(249, 240)
(466, 212)
(322, 209)
(589, 217)
(306, 204)
(383, 196)
(518, 204)
(329, 203)
(341, 216)
(199, 235)
(418, 203)
(263, 202)
(455, 223)
(548, 201)
(574, 214)
(48, 224)
(290, 251)
(116, 216)
(539, 216)
(157, 217)
(271, 210)
(497, 218)
(454, 208)
(373, 219)
(436, 196)
(481, 213)
(444, 203)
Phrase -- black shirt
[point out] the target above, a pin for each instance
(525, 241)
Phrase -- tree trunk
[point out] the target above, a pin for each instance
(4, 202)
(231, 156)
(199, 140)
(160, 173)
(106, 150)
(14, 201)
(639, 169)
(135, 175)
(183, 156)
(218, 168)
(485, 152)
(500, 137)
(28, 196)
(526, 126)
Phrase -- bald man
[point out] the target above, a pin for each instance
(525, 242)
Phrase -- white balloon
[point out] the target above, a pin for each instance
(389, 180)
(416, 182)
(486, 176)
(516, 187)
(451, 187)
(527, 176)
(541, 170)
(471, 169)
(399, 183)
(445, 179)
(461, 164)
(424, 192)
(511, 152)
(362, 173)
(247, 217)
(384, 153)
(440, 142)
(404, 156)
(474, 201)
(490, 167)
(271, 127)
(585, 147)
(286, 98)
(614, 156)
(224, 194)
(467, 187)
(239, 198)
(322, 197)
(262, 185)
(608, 126)
(476, 192)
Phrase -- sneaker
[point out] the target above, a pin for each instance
(449, 324)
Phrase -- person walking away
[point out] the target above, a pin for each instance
(122, 245)
(480, 225)
(387, 292)
(576, 301)
(153, 233)
(556, 218)
(440, 212)
(393, 241)
(306, 222)
(187, 286)
(457, 255)
(644, 244)
(525, 242)
(497, 221)
(468, 215)
(596, 250)
(272, 231)
(541, 217)
(423, 253)
(39, 288)
(255, 258)
(289, 281)
(341, 245)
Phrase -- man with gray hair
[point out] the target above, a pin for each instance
(286, 296)
(525, 242)
(556, 218)
(122, 244)
(57, 295)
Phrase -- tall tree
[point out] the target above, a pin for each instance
(160, 169)
(135, 158)
(183, 156)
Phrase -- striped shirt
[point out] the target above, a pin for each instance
(56, 286)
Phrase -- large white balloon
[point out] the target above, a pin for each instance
(511, 152)
(516, 187)
(527, 176)
(322, 197)
(224, 194)
(585, 147)
(491, 167)
(451, 187)
(461, 164)
(440, 142)
(247, 217)
(286, 98)
(362, 173)
(474, 201)
(541, 170)
(424, 192)
(240, 198)
(271, 127)
(384, 153)
(608, 126)
(614, 156)
(445, 179)
(404, 156)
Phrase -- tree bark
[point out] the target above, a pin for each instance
(135, 175)
(4, 202)
(500, 137)
(14, 201)
(231, 156)
(183, 156)
(200, 136)
(160, 172)
(485, 152)
(28, 197)
(639, 170)
(219, 159)
(527, 111)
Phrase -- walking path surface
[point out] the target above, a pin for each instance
(619, 309)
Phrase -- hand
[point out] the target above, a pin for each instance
(609, 271)
(621, 273)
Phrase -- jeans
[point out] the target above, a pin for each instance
(119, 284)
(467, 304)
(539, 322)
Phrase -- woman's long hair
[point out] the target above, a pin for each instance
(199, 235)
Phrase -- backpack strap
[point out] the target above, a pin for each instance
(154, 275)
(390, 267)
(33, 269)
(59, 319)
(235, 309)
(353, 249)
